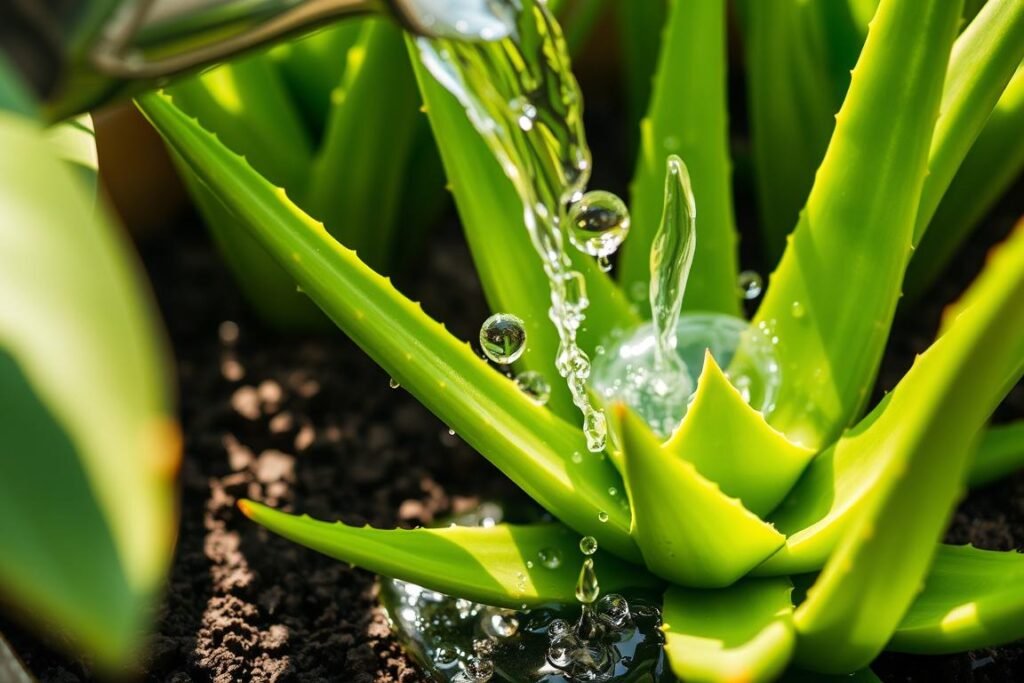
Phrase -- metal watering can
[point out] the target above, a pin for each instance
(77, 54)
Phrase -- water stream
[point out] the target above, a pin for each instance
(523, 99)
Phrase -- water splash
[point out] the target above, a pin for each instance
(522, 98)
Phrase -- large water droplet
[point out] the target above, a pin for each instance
(503, 338)
(499, 623)
(613, 609)
(750, 285)
(598, 223)
(534, 385)
(479, 670)
(587, 587)
(588, 545)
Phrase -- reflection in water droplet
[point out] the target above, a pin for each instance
(613, 609)
(588, 545)
(534, 385)
(750, 285)
(602, 516)
(598, 223)
(503, 338)
(480, 670)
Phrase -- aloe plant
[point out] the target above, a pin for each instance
(737, 505)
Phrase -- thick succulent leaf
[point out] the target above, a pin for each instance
(1001, 452)
(991, 166)
(15, 97)
(358, 171)
(248, 106)
(687, 117)
(497, 565)
(312, 68)
(510, 271)
(798, 57)
(75, 141)
(972, 598)
(90, 443)
(983, 61)
(878, 566)
(838, 486)
(689, 531)
(731, 444)
(845, 262)
(740, 633)
(531, 445)
(640, 26)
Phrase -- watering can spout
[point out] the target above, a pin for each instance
(76, 55)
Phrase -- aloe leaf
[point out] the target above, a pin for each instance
(838, 486)
(990, 167)
(983, 61)
(509, 269)
(731, 444)
(355, 183)
(91, 446)
(927, 435)
(640, 25)
(1001, 452)
(14, 95)
(687, 117)
(972, 598)
(845, 261)
(688, 530)
(312, 67)
(740, 633)
(497, 565)
(530, 444)
(794, 50)
(75, 141)
(246, 103)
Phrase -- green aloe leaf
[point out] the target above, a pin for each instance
(1001, 452)
(798, 56)
(499, 565)
(731, 444)
(845, 262)
(640, 26)
(990, 167)
(507, 265)
(358, 171)
(740, 633)
(91, 446)
(689, 531)
(837, 488)
(927, 434)
(527, 442)
(983, 61)
(972, 598)
(75, 141)
(687, 117)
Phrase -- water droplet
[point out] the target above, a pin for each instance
(451, 432)
(612, 491)
(598, 223)
(604, 263)
(446, 655)
(750, 285)
(534, 385)
(558, 627)
(550, 558)
(588, 545)
(798, 310)
(562, 649)
(577, 457)
(587, 587)
(499, 623)
(393, 383)
(503, 338)
(480, 670)
(613, 609)
(602, 516)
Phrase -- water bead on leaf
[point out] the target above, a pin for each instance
(750, 285)
(534, 385)
(550, 558)
(503, 338)
(598, 223)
